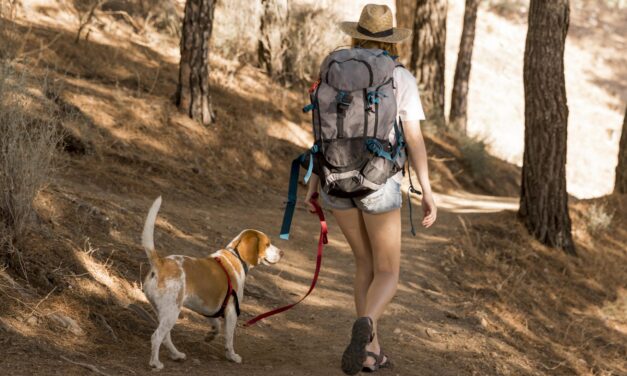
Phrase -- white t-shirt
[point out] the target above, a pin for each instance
(408, 105)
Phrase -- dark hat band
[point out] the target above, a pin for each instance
(380, 34)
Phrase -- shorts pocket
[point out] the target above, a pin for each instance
(385, 199)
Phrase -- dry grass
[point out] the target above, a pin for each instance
(598, 218)
(316, 29)
(509, 8)
(475, 155)
(236, 28)
(27, 150)
(530, 294)
(8, 8)
(312, 34)
(163, 15)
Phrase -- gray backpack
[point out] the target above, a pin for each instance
(353, 113)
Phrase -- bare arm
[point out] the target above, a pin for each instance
(417, 153)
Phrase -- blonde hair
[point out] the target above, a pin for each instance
(391, 48)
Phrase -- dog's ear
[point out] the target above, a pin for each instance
(252, 246)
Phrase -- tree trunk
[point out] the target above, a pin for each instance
(272, 37)
(427, 57)
(405, 14)
(544, 199)
(192, 94)
(620, 186)
(459, 99)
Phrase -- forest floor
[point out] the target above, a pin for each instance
(477, 296)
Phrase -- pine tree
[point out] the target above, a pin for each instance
(192, 94)
(427, 57)
(544, 199)
(620, 185)
(272, 37)
(458, 118)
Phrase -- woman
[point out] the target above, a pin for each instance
(372, 224)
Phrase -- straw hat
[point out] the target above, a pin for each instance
(375, 23)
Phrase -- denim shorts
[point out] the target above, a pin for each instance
(384, 200)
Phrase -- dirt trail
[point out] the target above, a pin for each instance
(422, 330)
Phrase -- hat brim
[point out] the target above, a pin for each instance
(398, 34)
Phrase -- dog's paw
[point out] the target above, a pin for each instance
(233, 357)
(211, 336)
(178, 356)
(157, 365)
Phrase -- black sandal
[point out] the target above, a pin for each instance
(355, 353)
(378, 362)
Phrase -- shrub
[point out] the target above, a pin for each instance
(508, 7)
(27, 148)
(313, 34)
(597, 218)
(236, 29)
(475, 155)
(163, 15)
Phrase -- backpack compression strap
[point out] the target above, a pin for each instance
(293, 189)
(401, 138)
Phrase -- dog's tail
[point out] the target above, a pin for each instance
(149, 229)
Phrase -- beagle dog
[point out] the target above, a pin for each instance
(212, 286)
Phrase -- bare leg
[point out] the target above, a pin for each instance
(384, 233)
(230, 320)
(352, 225)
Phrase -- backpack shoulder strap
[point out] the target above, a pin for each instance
(397, 64)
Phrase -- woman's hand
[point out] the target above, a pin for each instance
(312, 188)
(429, 209)
(308, 205)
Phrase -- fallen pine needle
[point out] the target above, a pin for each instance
(90, 367)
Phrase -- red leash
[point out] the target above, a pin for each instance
(321, 242)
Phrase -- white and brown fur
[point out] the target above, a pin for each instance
(199, 284)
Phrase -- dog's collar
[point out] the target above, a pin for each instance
(234, 251)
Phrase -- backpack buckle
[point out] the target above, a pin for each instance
(344, 100)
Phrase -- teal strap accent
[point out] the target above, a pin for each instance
(293, 189)
(376, 148)
(411, 216)
(340, 96)
(400, 141)
(309, 107)
(291, 198)
(400, 137)
(312, 151)
(386, 53)
(373, 97)
(309, 169)
(409, 192)
(400, 144)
